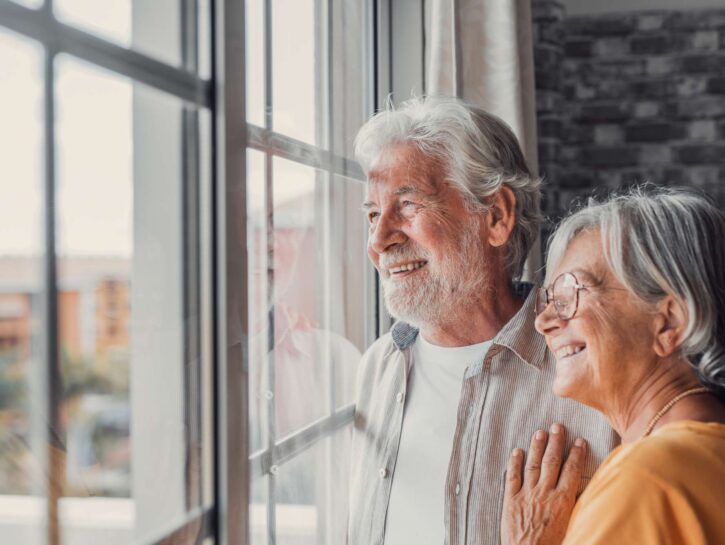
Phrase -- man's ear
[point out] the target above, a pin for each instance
(501, 216)
(670, 322)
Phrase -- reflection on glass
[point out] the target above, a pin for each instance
(22, 424)
(310, 493)
(130, 307)
(296, 58)
(259, 267)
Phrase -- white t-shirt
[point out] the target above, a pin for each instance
(417, 497)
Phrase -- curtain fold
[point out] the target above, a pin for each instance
(482, 51)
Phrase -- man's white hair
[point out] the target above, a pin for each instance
(661, 242)
(478, 150)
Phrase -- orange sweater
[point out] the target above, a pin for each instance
(668, 488)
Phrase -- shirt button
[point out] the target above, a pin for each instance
(383, 473)
(458, 488)
(400, 397)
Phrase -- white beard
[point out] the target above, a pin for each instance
(439, 292)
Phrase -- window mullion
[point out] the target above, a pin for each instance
(291, 446)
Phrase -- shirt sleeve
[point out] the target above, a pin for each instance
(632, 506)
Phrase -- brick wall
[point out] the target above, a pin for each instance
(627, 98)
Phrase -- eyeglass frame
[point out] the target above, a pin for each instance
(547, 300)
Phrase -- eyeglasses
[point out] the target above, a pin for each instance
(564, 293)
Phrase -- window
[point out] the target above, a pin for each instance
(184, 291)
(309, 88)
(105, 220)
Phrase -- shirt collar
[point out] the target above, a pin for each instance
(518, 335)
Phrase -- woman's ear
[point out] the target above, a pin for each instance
(501, 216)
(670, 323)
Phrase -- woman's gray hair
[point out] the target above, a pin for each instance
(661, 242)
(479, 151)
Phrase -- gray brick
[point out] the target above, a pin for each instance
(606, 113)
(646, 108)
(651, 21)
(608, 134)
(699, 176)
(654, 131)
(716, 85)
(610, 47)
(576, 179)
(705, 40)
(547, 10)
(688, 86)
(604, 25)
(703, 63)
(610, 156)
(548, 149)
(698, 107)
(547, 79)
(550, 33)
(702, 129)
(696, 19)
(713, 154)
(582, 92)
(550, 127)
(651, 88)
(576, 134)
(578, 48)
(548, 101)
(656, 44)
(657, 66)
(655, 155)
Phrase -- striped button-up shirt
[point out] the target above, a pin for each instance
(504, 399)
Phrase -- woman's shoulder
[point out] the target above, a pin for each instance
(685, 448)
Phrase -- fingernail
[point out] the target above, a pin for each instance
(540, 435)
(580, 442)
(517, 453)
(556, 428)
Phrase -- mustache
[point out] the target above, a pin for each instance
(404, 253)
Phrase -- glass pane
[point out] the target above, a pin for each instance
(255, 61)
(258, 501)
(131, 303)
(296, 58)
(110, 19)
(23, 427)
(259, 269)
(351, 53)
(153, 28)
(311, 494)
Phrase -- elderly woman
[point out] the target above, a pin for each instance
(634, 311)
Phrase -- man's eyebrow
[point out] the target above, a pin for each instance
(406, 189)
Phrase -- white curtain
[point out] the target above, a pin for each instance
(482, 52)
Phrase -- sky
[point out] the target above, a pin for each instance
(94, 126)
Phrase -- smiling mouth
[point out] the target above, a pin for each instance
(569, 351)
(406, 268)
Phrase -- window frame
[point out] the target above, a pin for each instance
(223, 95)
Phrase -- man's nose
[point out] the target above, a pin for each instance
(385, 233)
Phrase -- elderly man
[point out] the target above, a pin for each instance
(463, 378)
